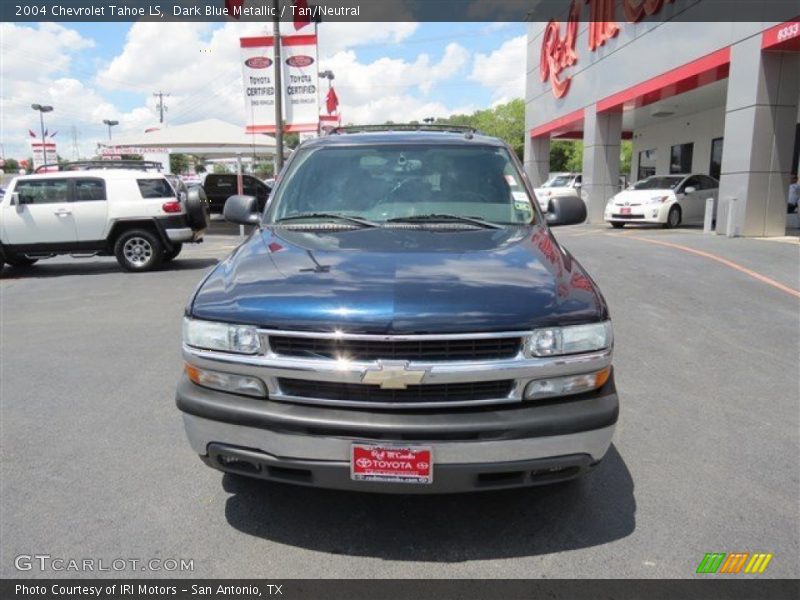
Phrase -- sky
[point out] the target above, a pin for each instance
(383, 71)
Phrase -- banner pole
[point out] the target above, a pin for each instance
(276, 30)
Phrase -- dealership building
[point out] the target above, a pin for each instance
(718, 98)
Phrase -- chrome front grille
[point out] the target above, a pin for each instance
(428, 349)
(418, 394)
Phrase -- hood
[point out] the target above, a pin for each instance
(398, 280)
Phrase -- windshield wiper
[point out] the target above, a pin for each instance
(443, 218)
(325, 215)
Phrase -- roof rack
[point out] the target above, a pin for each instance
(465, 129)
(83, 165)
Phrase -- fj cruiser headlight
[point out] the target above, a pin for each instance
(574, 339)
(225, 337)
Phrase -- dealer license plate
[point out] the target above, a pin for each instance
(393, 464)
(625, 210)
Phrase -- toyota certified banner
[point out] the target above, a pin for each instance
(39, 158)
(299, 73)
(258, 57)
(301, 101)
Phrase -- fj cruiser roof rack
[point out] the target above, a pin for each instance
(465, 129)
(83, 165)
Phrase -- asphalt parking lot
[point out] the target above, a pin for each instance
(95, 463)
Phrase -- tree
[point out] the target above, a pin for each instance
(505, 121)
(220, 168)
(626, 156)
(291, 140)
(566, 155)
(11, 166)
(264, 170)
(178, 163)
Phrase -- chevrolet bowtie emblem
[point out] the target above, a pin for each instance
(393, 376)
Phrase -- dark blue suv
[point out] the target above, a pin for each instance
(401, 319)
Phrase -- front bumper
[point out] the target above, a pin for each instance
(479, 448)
(639, 214)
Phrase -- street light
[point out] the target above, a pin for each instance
(327, 75)
(110, 125)
(42, 109)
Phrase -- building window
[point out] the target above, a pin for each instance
(715, 168)
(680, 160)
(647, 164)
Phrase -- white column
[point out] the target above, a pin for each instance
(602, 136)
(760, 118)
(537, 159)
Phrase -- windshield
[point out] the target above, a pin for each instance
(657, 183)
(392, 182)
(558, 181)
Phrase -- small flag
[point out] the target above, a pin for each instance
(45, 133)
(52, 135)
(331, 101)
(33, 135)
(301, 14)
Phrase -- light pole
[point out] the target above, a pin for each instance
(42, 109)
(110, 125)
(327, 75)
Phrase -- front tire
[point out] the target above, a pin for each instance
(673, 218)
(170, 254)
(138, 250)
(617, 225)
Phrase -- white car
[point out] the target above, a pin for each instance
(668, 200)
(134, 215)
(559, 185)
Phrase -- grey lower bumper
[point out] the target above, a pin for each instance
(448, 478)
(472, 450)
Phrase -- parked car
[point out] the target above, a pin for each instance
(559, 185)
(133, 214)
(401, 319)
(668, 200)
(221, 186)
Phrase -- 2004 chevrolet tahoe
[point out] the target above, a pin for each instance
(401, 319)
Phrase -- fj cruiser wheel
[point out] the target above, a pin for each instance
(617, 225)
(15, 260)
(138, 250)
(673, 218)
(170, 254)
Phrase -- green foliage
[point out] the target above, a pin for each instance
(264, 170)
(131, 157)
(566, 155)
(11, 166)
(505, 121)
(626, 156)
(178, 163)
(220, 169)
(291, 140)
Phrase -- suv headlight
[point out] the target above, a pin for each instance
(574, 339)
(225, 337)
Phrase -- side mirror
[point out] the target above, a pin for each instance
(15, 199)
(242, 210)
(578, 185)
(566, 210)
(689, 190)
